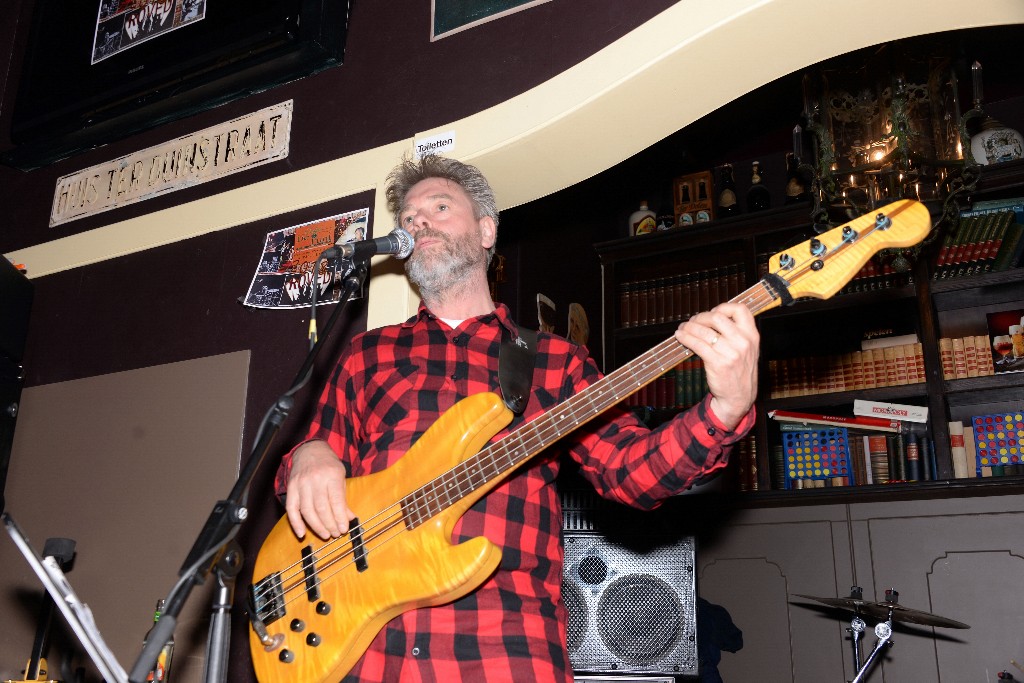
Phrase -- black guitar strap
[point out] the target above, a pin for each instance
(515, 367)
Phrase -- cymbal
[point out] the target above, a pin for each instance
(880, 610)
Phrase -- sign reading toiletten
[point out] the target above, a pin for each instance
(243, 143)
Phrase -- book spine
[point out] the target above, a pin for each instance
(913, 455)
(986, 359)
(879, 454)
(958, 451)
(971, 454)
(896, 467)
(918, 350)
(943, 255)
(970, 356)
(946, 358)
(959, 358)
(865, 455)
(881, 374)
(924, 444)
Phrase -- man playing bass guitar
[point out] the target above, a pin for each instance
(395, 382)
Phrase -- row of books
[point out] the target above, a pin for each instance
(869, 458)
(867, 369)
(677, 297)
(681, 387)
(984, 240)
(963, 357)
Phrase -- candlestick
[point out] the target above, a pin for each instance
(976, 81)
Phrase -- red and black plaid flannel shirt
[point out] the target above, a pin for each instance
(393, 384)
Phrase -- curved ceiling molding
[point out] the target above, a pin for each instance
(696, 54)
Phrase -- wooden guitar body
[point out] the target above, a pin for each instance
(405, 568)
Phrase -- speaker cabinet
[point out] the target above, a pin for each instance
(630, 592)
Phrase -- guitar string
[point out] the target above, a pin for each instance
(755, 298)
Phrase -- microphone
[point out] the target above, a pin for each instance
(397, 242)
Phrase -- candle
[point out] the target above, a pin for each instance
(976, 80)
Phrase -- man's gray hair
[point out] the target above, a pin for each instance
(410, 171)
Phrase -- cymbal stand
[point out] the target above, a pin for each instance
(856, 631)
(883, 632)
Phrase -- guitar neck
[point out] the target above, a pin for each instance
(497, 460)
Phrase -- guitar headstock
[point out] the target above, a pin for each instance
(822, 266)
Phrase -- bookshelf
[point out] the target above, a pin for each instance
(911, 302)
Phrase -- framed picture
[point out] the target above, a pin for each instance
(452, 16)
(95, 71)
(1006, 340)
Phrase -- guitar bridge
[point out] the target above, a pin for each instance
(267, 599)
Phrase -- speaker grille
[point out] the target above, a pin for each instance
(631, 608)
(639, 618)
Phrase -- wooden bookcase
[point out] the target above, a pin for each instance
(931, 308)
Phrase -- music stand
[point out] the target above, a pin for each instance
(76, 612)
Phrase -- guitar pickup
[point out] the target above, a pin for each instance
(309, 570)
(355, 534)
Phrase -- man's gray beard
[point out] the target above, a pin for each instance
(438, 276)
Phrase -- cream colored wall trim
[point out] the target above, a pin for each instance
(584, 120)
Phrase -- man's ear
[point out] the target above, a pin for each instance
(488, 232)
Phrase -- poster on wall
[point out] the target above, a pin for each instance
(284, 277)
(1006, 340)
(452, 16)
(122, 24)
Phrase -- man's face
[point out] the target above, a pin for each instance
(450, 240)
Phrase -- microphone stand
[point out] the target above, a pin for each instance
(215, 549)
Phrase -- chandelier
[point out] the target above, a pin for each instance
(882, 132)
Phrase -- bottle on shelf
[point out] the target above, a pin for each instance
(727, 203)
(643, 220)
(797, 187)
(703, 214)
(686, 217)
(163, 660)
(758, 196)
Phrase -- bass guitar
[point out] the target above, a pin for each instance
(315, 606)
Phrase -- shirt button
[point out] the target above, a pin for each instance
(711, 431)
(455, 376)
(415, 652)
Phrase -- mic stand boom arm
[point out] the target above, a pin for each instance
(214, 549)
